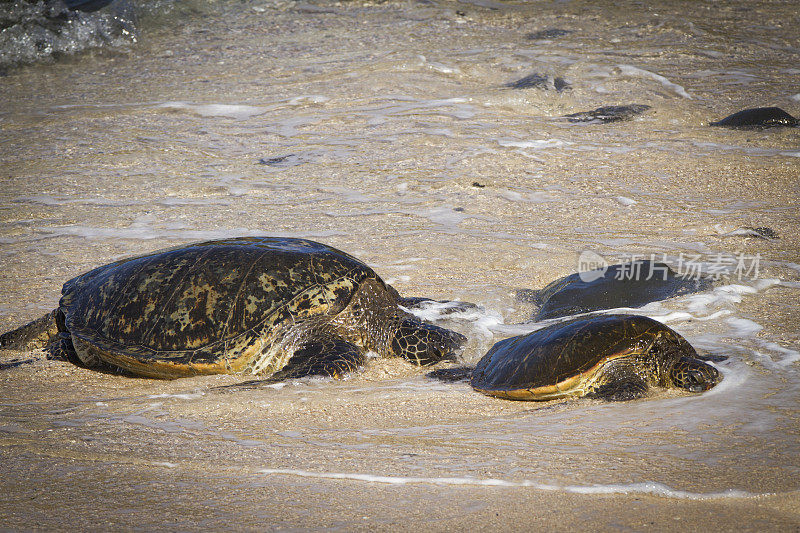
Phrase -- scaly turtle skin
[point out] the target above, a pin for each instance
(625, 285)
(267, 306)
(615, 357)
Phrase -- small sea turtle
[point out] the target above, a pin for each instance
(614, 357)
(758, 117)
(631, 284)
(267, 306)
(611, 113)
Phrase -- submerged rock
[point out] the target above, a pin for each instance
(538, 81)
(611, 113)
(550, 33)
(758, 117)
(748, 231)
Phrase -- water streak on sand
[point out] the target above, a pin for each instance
(647, 487)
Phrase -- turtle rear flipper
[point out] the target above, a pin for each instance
(37, 334)
(332, 357)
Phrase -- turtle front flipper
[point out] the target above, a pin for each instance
(620, 391)
(425, 344)
(621, 380)
(694, 375)
(332, 357)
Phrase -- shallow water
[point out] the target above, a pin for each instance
(387, 130)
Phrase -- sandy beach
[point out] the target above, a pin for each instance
(388, 130)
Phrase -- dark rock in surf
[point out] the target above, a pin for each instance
(537, 81)
(277, 161)
(606, 114)
(758, 117)
(748, 231)
(550, 33)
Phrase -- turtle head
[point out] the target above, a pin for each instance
(425, 344)
(694, 375)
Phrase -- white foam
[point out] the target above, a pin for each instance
(49, 200)
(438, 67)
(789, 356)
(239, 112)
(743, 232)
(527, 196)
(682, 316)
(174, 200)
(536, 144)
(630, 70)
(743, 327)
(648, 487)
(142, 231)
(749, 150)
(180, 396)
(724, 295)
(308, 99)
(483, 321)
(625, 201)
(457, 107)
(733, 377)
(165, 464)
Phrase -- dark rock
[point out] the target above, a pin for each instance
(758, 117)
(550, 33)
(612, 113)
(537, 81)
(275, 161)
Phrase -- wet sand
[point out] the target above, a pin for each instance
(119, 153)
(192, 454)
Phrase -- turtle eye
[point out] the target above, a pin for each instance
(695, 382)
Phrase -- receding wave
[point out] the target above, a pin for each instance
(648, 487)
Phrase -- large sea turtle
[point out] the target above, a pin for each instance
(631, 284)
(615, 357)
(267, 306)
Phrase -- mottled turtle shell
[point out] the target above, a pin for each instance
(556, 360)
(624, 285)
(206, 305)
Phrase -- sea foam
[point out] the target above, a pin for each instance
(648, 487)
